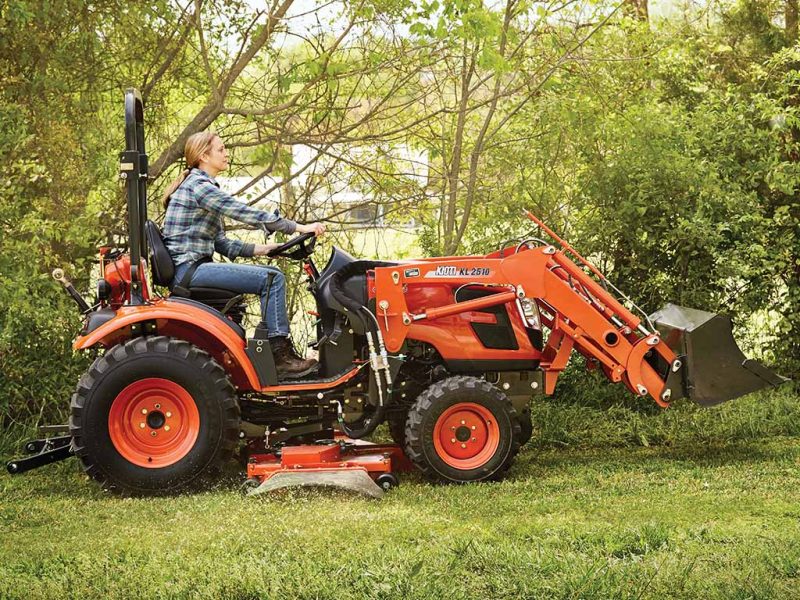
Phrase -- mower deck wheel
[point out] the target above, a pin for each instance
(462, 429)
(152, 416)
(387, 481)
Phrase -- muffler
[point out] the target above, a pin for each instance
(713, 368)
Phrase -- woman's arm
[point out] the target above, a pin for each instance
(235, 248)
(315, 228)
(209, 197)
(232, 248)
(264, 249)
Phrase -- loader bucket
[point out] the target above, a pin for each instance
(714, 369)
(351, 480)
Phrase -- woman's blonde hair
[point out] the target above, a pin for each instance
(196, 145)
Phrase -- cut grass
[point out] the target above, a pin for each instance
(690, 516)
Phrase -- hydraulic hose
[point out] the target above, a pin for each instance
(368, 423)
(358, 267)
(365, 425)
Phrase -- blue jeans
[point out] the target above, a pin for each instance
(247, 279)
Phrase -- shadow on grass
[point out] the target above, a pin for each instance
(66, 480)
(751, 452)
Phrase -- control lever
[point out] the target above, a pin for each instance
(318, 343)
(384, 305)
(337, 331)
(231, 303)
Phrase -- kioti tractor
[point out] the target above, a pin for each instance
(448, 351)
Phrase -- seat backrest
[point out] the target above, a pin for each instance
(161, 264)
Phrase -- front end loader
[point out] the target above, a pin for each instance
(447, 350)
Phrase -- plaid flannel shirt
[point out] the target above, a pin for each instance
(193, 227)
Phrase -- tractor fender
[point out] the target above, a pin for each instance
(184, 320)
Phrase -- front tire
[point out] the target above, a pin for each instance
(525, 426)
(153, 415)
(396, 421)
(462, 429)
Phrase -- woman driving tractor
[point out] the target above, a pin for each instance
(193, 231)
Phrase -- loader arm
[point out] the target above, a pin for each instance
(599, 328)
(582, 315)
(584, 320)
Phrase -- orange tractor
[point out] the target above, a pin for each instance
(447, 350)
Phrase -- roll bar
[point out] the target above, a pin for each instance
(133, 171)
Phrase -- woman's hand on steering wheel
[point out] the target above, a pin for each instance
(265, 249)
(315, 228)
(297, 248)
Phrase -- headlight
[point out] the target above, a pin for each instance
(531, 313)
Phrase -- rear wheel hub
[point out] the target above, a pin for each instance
(153, 422)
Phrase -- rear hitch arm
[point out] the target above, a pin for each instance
(43, 452)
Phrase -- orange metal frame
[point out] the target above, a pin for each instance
(580, 313)
(374, 459)
(194, 325)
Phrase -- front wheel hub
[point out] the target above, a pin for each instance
(466, 435)
(153, 422)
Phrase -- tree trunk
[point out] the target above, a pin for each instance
(791, 21)
(453, 176)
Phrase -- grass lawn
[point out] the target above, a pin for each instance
(693, 516)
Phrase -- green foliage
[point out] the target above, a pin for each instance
(56, 197)
(38, 321)
(666, 152)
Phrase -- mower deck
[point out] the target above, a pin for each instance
(361, 467)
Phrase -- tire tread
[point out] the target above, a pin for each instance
(425, 402)
(133, 349)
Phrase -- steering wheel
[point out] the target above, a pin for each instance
(303, 248)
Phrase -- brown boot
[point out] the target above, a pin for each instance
(288, 363)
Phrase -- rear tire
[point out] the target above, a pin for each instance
(462, 429)
(153, 415)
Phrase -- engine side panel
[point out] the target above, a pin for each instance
(458, 338)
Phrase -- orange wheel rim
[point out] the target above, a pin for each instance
(466, 435)
(153, 422)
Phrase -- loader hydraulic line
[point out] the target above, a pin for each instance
(378, 356)
(564, 244)
(592, 268)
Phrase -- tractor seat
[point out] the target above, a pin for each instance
(163, 271)
(208, 295)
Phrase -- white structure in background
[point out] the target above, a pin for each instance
(269, 202)
(336, 193)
